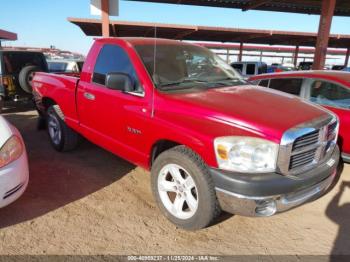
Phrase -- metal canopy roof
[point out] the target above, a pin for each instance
(5, 35)
(296, 6)
(92, 27)
(275, 49)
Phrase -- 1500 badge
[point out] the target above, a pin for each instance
(134, 131)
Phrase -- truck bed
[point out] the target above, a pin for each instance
(62, 88)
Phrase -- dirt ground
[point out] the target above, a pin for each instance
(90, 202)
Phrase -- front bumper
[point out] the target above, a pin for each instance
(268, 194)
(13, 180)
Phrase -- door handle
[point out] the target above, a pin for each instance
(89, 96)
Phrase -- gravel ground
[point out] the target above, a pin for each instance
(90, 202)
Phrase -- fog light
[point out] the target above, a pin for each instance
(265, 208)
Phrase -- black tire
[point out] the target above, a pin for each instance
(41, 123)
(208, 208)
(25, 77)
(68, 140)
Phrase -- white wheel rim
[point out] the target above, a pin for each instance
(54, 129)
(178, 191)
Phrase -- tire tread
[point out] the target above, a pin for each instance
(213, 210)
(199, 161)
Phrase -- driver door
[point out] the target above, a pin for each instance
(102, 111)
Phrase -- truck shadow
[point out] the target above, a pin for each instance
(340, 214)
(57, 179)
(15, 107)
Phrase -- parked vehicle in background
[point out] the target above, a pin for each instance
(305, 65)
(270, 69)
(346, 69)
(247, 69)
(282, 67)
(275, 68)
(338, 67)
(16, 73)
(211, 140)
(68, 67)
(330, 89)
(14, 172)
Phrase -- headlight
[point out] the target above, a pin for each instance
(10, 151)
(246, 154)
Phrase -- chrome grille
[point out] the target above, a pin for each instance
(306, 145)
(304, 150)
(306, 140)
(332, 131)
(331, 135)
(302, 159)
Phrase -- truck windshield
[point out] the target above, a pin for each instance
(186, 66)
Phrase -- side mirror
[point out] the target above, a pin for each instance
(119, 81)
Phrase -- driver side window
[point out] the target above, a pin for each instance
(329, 94)
(113, 59)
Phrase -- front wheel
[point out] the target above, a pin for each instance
(183, 189)
(62, 137)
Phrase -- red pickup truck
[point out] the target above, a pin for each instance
(212, 141)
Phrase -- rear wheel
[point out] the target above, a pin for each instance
(183, 189)
(62, 137)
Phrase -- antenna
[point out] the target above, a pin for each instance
(154, 67)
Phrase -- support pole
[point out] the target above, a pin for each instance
(105, 18)
(261, 56)
(227, 55)
(324, 29)
(347, 57)
(296, 54)
(240, 55)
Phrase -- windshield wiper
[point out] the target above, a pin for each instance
(170, 85)
(227, 79)
(227, 82)
(177, 85)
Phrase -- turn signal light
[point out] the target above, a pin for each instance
(11, 151)
(222, 152)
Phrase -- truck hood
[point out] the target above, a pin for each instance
(265, 112)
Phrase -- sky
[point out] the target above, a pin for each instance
(41, 23)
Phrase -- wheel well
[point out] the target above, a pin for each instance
(340, 143)
(160, 147)
(47, 102)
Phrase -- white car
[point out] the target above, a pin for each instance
(14, 171)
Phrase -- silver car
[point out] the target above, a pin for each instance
(14, 172)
